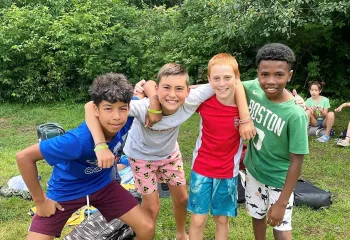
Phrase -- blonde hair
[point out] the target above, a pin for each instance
(224, 59)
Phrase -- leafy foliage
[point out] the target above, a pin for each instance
(52, 49)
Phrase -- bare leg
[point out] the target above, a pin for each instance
(312, 121)
(328, 122)
(151, 204)
(140, 222)
(197, 226)
(180, 196)
(347, 138)
(259, 227)
(282, 235)
(222, 226)
(38, 236)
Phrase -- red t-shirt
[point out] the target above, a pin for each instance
(219, 145)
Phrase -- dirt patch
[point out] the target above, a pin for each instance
(26, 129)
(4, 123)
(316, 231)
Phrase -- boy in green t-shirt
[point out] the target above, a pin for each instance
(275, 156)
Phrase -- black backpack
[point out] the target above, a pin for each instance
(49, 130)
(97, 228)
(305, 193)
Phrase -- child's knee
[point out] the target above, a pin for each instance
(146, 228)
(181, 201)
(221, 220)
(330, 115)
(152, 208)
(198, 222)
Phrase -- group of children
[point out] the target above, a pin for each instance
(261, 111)
(317, 110)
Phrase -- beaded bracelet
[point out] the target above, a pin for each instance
(245, 120)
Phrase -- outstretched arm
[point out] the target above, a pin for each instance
(277, 210)
(26, 162)
(338, 109)
(246, 126)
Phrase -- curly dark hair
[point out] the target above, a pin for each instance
(111, 87)
(276, 51)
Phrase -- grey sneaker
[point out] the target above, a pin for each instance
(343, 143)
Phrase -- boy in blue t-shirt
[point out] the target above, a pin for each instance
(76, 178)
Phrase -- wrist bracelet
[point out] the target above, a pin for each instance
(100, 143)
(245, 120)
(154, 111)
(100, 147)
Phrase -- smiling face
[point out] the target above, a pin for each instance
(273, 76)
(315, 91)
(172, 91)
(222, 79)
(112, 117)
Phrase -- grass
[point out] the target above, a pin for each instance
(327, 166)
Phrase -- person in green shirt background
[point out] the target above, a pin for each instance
(317, 110)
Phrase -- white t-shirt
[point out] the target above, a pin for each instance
(159, 142)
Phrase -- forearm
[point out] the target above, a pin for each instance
(150, 88)
(292, 178)
(241, 101)
(151, 93)
(345, 105)
(93, 123)
(26, 163)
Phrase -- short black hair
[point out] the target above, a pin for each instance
(277, 52)
(111, 87)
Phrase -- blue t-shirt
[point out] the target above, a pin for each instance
(75, 172)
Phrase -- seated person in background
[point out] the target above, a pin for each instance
(317, 110)
(77, 179)
(346, 141)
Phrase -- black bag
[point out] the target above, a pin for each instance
(305, 193)
(49, 130)
(240, 190)
(97, 228)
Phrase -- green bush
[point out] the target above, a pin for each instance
(51, 50)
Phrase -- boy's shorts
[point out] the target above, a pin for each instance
(112, 201)
(217, 195)
(259, 198)
(148, 173)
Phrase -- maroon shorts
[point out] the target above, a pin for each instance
(112, 201)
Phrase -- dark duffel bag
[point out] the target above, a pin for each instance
(97, 228)
(305, 193)
(49, 130)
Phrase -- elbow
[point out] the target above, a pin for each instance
(88, 106)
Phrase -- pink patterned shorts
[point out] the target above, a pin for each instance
(148, 173)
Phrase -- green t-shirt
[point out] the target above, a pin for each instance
(324, 103)
(281, 130)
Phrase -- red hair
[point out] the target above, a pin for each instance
(224, 59)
